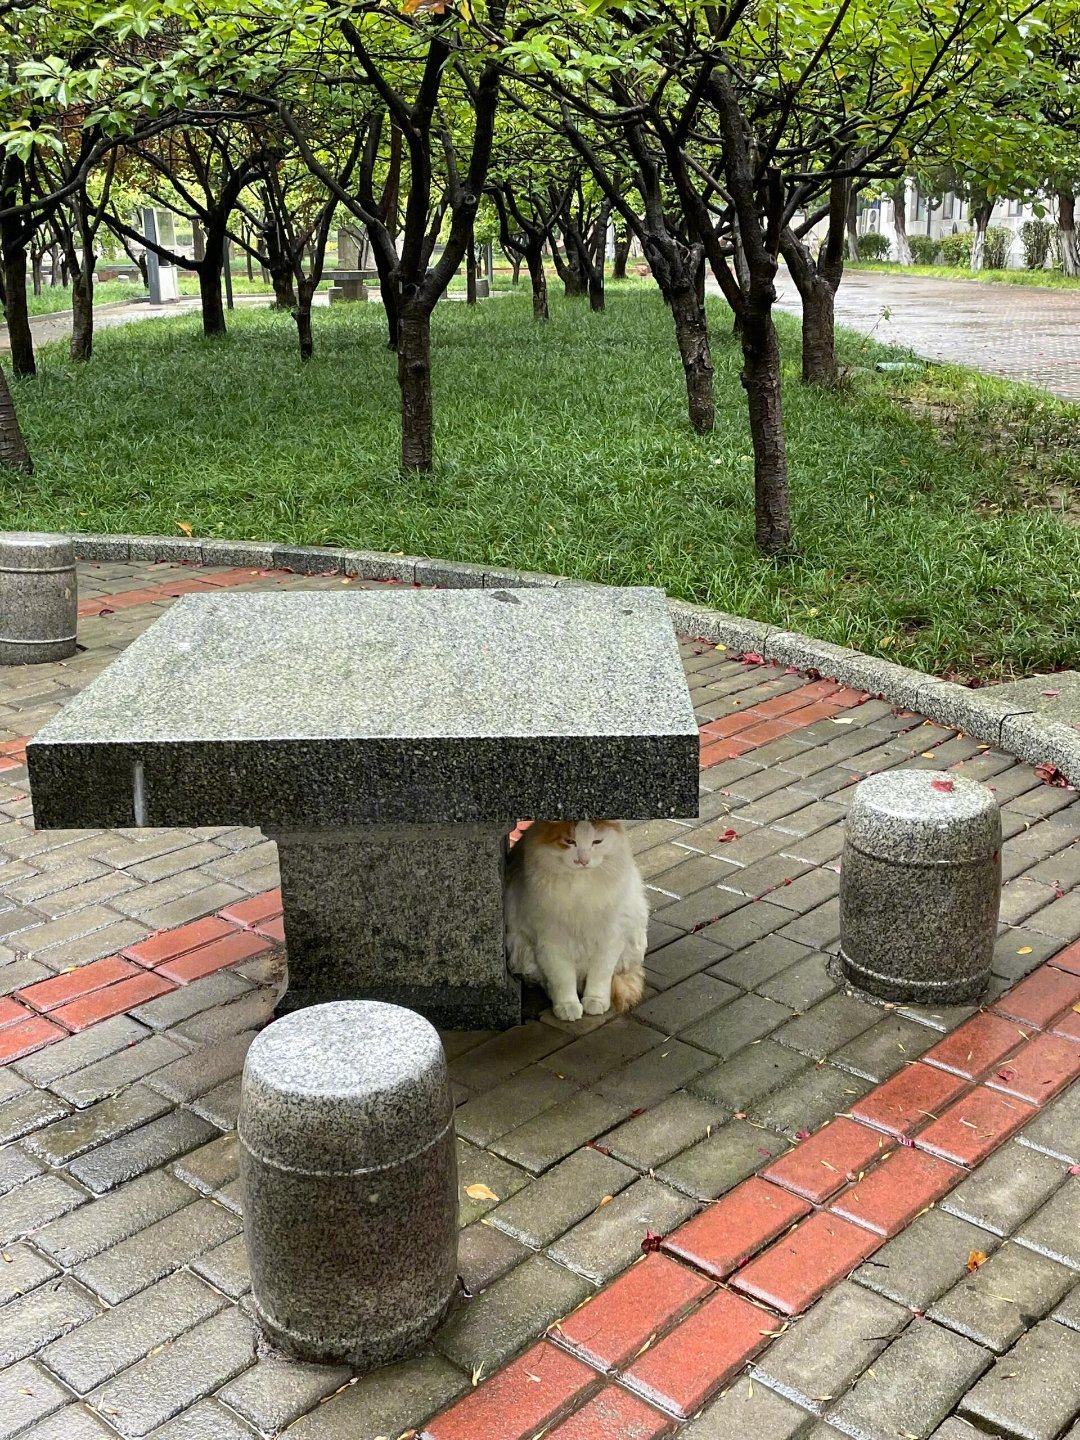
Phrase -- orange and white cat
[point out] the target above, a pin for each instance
(576, 915)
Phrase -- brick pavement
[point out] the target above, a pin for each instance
(756, 1205)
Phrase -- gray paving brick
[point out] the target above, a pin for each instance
(689, 1001)
(751, 922)
(802, 984)
(248, 1013)
(21, 1269)
(510, 1103)
(1054, 1229)
(144, 1149)
(74, 1422)
(660, 1071)
(275, 1392)
(31, 1321)
(730, 1154)
(108, 1119)
(752, 1073)
(386, 1402)
(954, 1429)
(29, 1112)
(829, 1026)
(699, 909)
(496, 1059)
(485, 1255)
(1034, 1392)
(912, 1385)
(205, 1420)
(737, 1025)
(1006, 1188)
(646, 1141)
(106, 1221)
(996, 1304)
(226, 1267)
(750, 1410)
(1056, 1130)
(188, 1369)
(17, 974)
(34, 1204)
(1068, 1312)
(165, 1011)
(212, 1166)
(494, 1326)
(561, 1197)
(87, 1357)
(70, 927)
(27, 1393)
(101, 890)
(925, 1260)
(821, 1355)
(117, 1273)
(193, 1075)
(885, 1048)
(11, 1084)
(107, 1077)
(684, 957)
(608, 1241)
(555, 1133)
(814, 1096)
(584, 1061)
(67, 1056)
(479, 1167)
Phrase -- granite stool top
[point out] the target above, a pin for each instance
(919, 816)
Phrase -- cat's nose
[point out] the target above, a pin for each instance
(581, 862)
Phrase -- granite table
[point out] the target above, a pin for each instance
(388, 741)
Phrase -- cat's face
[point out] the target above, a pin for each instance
(578, 844)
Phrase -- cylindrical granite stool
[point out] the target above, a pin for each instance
(349, 1182)
(38, 598)
(920, 886)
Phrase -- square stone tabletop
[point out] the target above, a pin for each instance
(299, 711)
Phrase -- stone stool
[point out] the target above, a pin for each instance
(38, 598)
(920, 885)
(349, 1182)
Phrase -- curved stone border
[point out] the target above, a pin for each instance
(1000, 719)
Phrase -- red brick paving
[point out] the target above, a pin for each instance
(890, 1196)
(1039, 1070)
(1068, 959)
(169, 943)
(27, 1035)
(1041, 998)
(229, 950)
(914, 1096)
(726, 1234)
(11, 1012)
(113, 1000)
(250, 913)
(609, 1330)
(822, 1165)
(806, 1262)
(691, 1362)
(977, 1046)
(534, 1390)
(50, 994)
(975, 1126)
(614, 1414)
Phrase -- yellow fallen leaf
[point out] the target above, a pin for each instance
(605, 1200)
(975, 1259)
(181, 525)
(480, 1192)
(1025, 950)
(886, 641)
(477, 1373)
(928, 754)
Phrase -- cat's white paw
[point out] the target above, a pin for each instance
(568, 1010)
(596, 1005)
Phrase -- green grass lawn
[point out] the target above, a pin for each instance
(55, 299)
(1046, 279)
(923, 526)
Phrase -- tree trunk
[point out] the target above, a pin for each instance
(818, 333)
(20, 336)
(622, 254)
(213, 312)
(36, 257)
(596, 289)
(1066, 219)
(761, 381)
(13, 451)
(470, 275)
(54, 267)
(692, 335)
(980, 214)
(82, 311)
(198, 241)
(535, 261)
(414, 378)
(899, 210)
(302, 315)
(853, 224)
(515, 267)
(250, 266)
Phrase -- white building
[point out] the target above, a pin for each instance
(941, 215)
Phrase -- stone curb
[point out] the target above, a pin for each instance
(986, 717)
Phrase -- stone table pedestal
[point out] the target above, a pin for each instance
(388, 740)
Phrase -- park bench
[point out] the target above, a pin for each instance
(388, 741)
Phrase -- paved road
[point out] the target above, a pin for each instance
(1017, 331)
(58, 325)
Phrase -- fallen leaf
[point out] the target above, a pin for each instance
(1049, 694)
(802, 1134)
(726, 836)
(605, 1200)
(945, 786)
(1025, 949)
(480, 1192)
(180, 525)
(1073, 1170)
(751, 657)
(928, 754)
(652, 1241)
(975, 1259)
(478, 1373)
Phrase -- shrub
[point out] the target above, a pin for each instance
(1036, 237)
(996, 247)
(874, 246)
(924, 249)
(956, 249)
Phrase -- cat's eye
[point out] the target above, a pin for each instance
(596, 842)
(566, 844)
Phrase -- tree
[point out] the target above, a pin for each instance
(13, 451)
